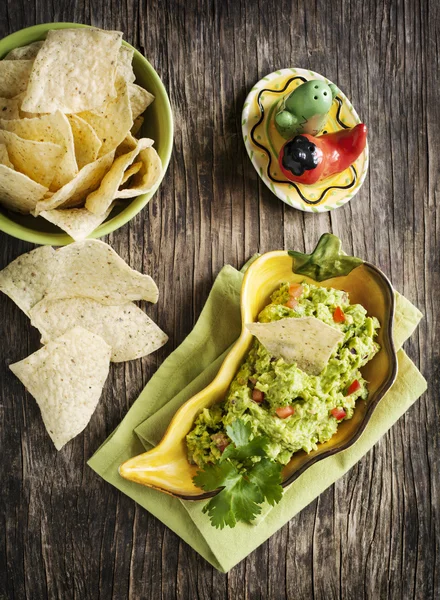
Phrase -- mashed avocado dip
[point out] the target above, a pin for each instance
(295, 410)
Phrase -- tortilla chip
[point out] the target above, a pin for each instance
(139, 99)
(28, 115)
(92, 269)
(126, 328)
(53, 128)
(128, 144)
(98, 201)
(37, 160)
(79, 223)
(74, 193)
(14, 76)
(124, 68)
(308, 342)
(87, 143)
(146, 178)
(66, 378)
(10, 107)
(112, 121)
(4, 157)
(28, 52)
(135, 168)
(26, 279)
(73, 71)
(18, 192)
(138, 122)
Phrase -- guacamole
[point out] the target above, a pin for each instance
(295, 410)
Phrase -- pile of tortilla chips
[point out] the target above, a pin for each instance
(69, 111)
(80, 298)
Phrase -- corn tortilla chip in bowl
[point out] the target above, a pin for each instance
(157, 125)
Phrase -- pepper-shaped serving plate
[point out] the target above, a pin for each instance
(166, 467)
(263, 143)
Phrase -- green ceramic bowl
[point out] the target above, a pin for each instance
(158, 125)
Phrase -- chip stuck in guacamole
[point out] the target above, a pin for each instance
(294, 409)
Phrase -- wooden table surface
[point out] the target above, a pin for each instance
(64, 532)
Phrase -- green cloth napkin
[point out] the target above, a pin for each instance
(189, 369)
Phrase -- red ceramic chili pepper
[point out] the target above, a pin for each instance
(307, 159)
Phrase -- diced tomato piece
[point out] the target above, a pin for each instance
(291, 303)
(338, 413)
(354, 387)
(222, 447)
(338, 315)
(285, 411)
(295, 290)
(257, 396)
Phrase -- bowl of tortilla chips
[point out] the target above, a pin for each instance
(86, 133)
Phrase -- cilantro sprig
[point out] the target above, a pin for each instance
(245, 483)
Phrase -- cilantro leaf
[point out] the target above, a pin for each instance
(266, 476)
(256, 447)
(239, 432)
(216, 475)
(245, 483)
(245, 500)
(238, 502)
(220, 510)
(242, 447)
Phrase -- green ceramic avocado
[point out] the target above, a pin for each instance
(305, 109)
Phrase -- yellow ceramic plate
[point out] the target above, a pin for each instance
(263, 143)
(166, 467)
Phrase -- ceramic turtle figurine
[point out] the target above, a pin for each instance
(305, 109)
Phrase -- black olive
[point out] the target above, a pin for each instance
(300, 155)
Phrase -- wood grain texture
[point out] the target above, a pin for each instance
(64, 532)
